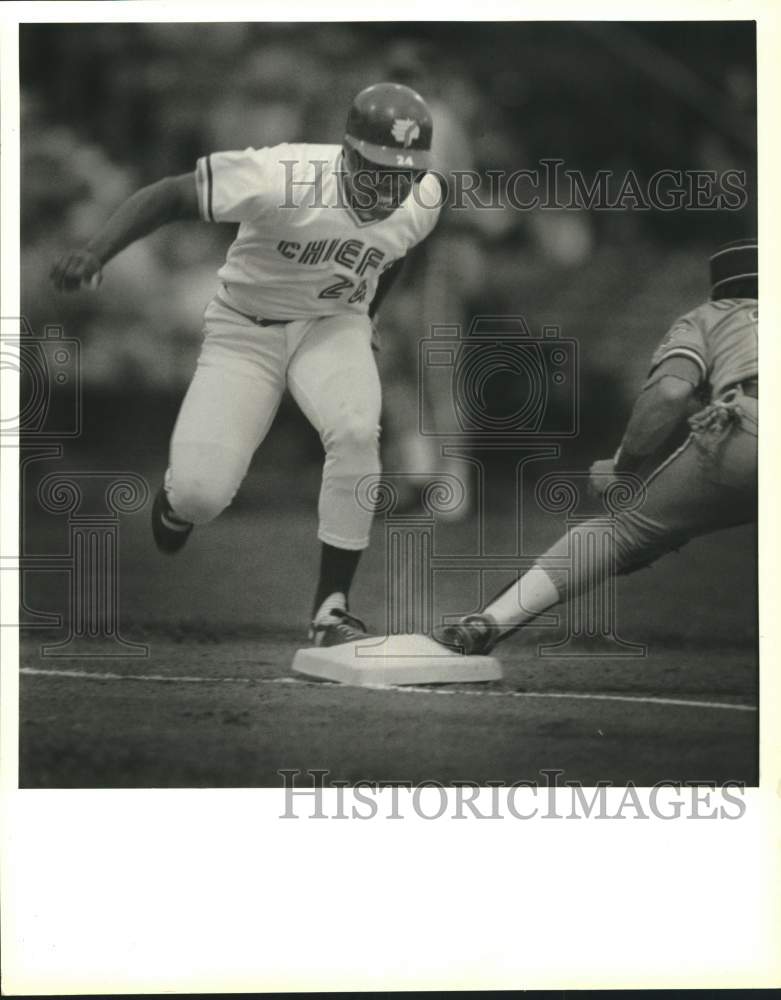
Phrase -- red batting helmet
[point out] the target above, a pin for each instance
(391, 125)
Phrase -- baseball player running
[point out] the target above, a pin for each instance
(706, 362)
(322, 232)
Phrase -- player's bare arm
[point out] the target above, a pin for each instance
(172, 199)
(658, 414)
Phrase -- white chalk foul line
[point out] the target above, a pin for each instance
(583, 696)
(94, 675)
(409, 688)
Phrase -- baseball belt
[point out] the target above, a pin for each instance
(257, 320)
(749, 387)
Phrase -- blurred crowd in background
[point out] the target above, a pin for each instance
(109, 108)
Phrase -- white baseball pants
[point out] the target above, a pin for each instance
(328, 365)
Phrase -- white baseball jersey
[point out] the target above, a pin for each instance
(300, 250)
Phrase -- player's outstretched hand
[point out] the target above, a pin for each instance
(76, 269)
(601, 474)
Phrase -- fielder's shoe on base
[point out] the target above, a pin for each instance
(169, 532)
(335, 628)
(474, 635)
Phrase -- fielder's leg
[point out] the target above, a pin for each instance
(697, 490)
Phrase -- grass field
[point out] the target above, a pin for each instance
(214, 704)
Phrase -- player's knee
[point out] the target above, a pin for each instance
(355, 433)
(198, 499)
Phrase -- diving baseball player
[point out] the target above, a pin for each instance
(323, 230)
(707, 362)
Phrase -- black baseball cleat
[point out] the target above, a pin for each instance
(336, 628)
(169, 532)
(474, 635)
